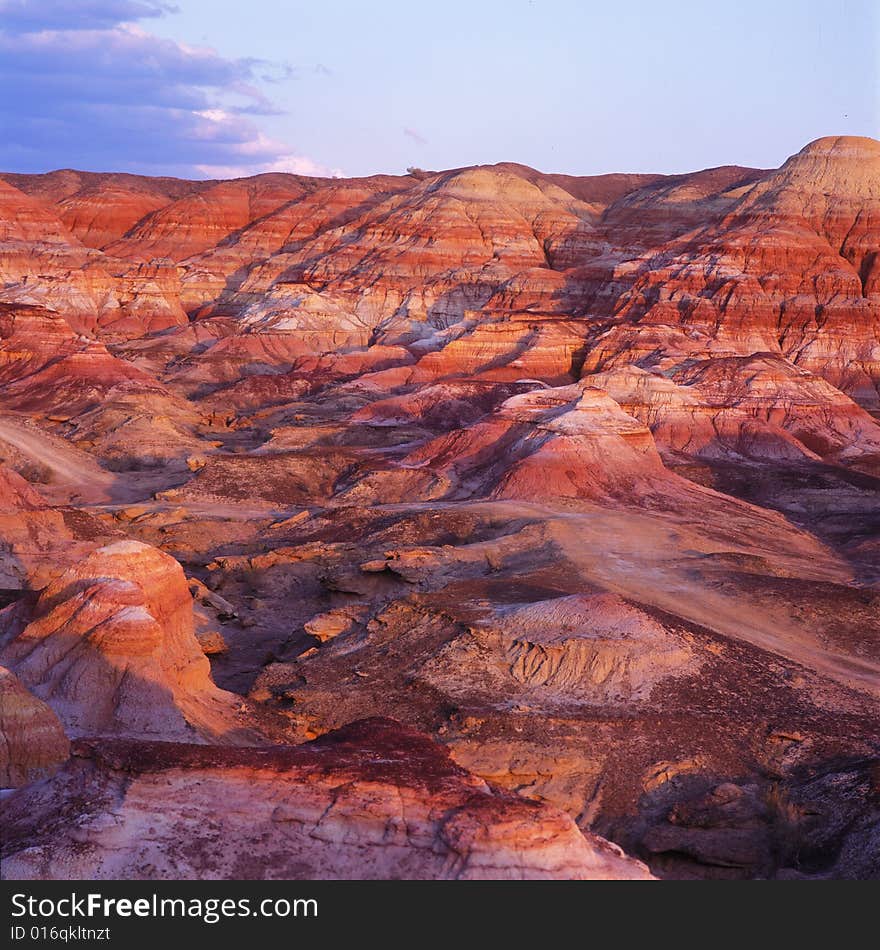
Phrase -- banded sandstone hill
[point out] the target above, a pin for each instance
(576, 477)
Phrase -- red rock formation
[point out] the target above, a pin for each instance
(32, 741)
(42, 262)
(16, 494)
(789, 269)
(568, 442)
(45, 365)
(149, 297)
(665, 209)
(115, 409)
(461, 235)
(588, 648)
(36, 539)
(197, 221)
(446, 405)
(374, 800)
(101, 208)
(579, 475)
(111, 648)
(759, 406)
(329, 205)
(597, 190)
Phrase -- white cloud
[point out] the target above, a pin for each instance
(99, 92)
(302, 165)
(259, 154)
(289, 164)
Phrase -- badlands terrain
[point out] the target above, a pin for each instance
(475, 523)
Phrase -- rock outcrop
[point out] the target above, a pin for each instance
(110, 646)
(32, 741)
(789, 269)
(203, 218)
(35, 539)
(759, 406)
(46, 366)
(578, 476)
(100, 208)
(590, 649)
(374, 800)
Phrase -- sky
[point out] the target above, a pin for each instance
(211, 88)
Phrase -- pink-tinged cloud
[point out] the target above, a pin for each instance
(109, 95)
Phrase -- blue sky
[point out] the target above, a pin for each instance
(207, 88)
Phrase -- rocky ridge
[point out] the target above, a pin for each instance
(577, 477)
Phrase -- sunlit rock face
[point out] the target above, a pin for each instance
(374, 800)
(790, 268)
(111, 647)
(577, 477)
(32, 740)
